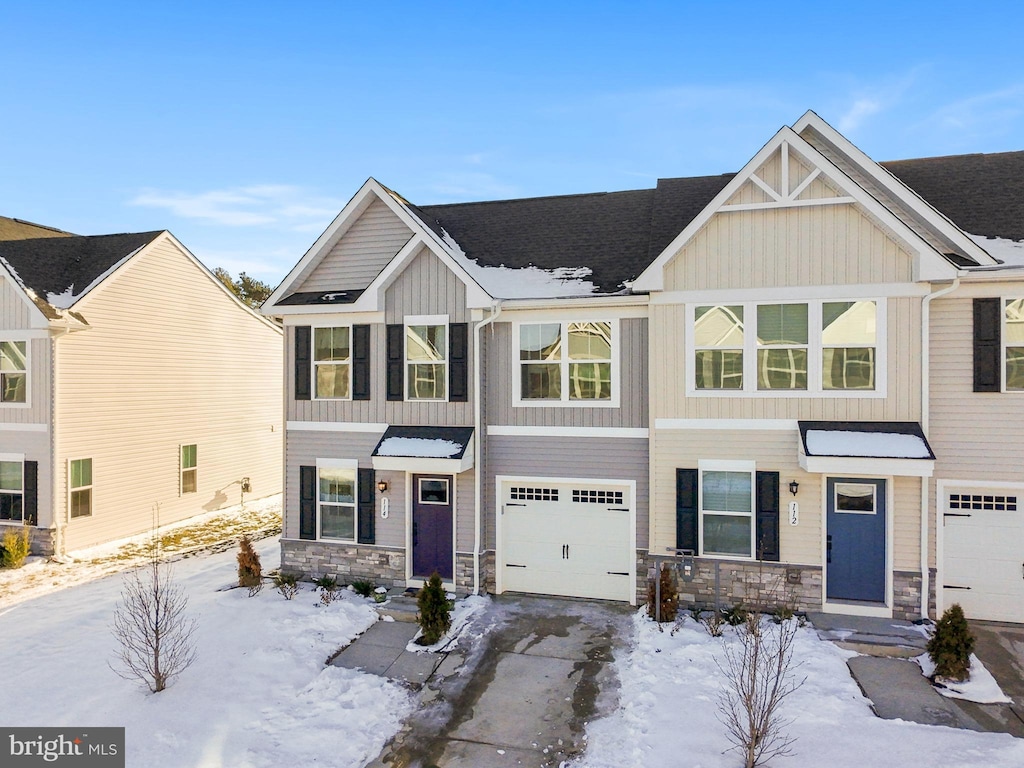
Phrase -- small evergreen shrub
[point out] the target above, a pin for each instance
(434, 617)
(952, 644)
(736, 615)
(669, 597)
(328, 586)
(250, 572)
(287, 584)
(362, 587)
(15, 546)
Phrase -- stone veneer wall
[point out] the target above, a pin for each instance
(906, 594)
(42, 540)
(346, 562)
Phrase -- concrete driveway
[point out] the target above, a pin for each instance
(1001, 649)
(536, 671)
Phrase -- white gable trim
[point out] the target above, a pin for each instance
(928, 263)
(37, 318)
(892, 183)
(373, 297)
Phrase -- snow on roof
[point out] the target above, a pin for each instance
(524, 283)
(879, 445)
(435, 448)
(1010, 252)
(68, 297)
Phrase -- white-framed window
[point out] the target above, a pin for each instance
(80, 487)
(426, 357)
(332, 363)
(726, 497)
(13, 372)
(1013, 344)
(567, 363)
(787, 348)
(434, 490)
(189, 468)
(336, 499)
(855, 498)
(12, 487)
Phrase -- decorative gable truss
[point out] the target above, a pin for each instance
(788, 172)
(373, 200)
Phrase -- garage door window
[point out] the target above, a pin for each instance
(596, 497)
(521, 493)
(727, 518)
(980, 502)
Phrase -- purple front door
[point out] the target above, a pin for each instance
(432, 526)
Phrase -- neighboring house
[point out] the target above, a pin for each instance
(134, 388)
(771, 371)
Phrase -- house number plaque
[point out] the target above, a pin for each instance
(385, 508)
(794, 513)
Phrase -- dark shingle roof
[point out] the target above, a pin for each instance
(53, 264)
(981, 194)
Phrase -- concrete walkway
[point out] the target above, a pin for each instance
(536, 671)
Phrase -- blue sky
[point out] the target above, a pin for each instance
(244, 127)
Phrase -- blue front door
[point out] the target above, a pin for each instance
(855, 539)
(432, 526)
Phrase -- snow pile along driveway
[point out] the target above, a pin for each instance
(257, 695)
(667, 716)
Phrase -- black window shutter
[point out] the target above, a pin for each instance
(987, 345)
(307, 502)
(367, 511)
(396, 362)
(303, 362)
(360, 362)
(767, 533)
(30, 500)
(686, 509)
(458, 362)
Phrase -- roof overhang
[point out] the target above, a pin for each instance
(441, 450)
(865, 448)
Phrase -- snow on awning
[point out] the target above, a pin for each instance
(865, 448)
(425, 449)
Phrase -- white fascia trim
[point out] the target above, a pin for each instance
(793, 293)
(6, 427)
(12, 456)
(602, 432)
(335, 426)
(36, 317)
(979, 485)
(591, 311)
(25, 335)
(653, 279)
(332, 319)
(891, 182)
(861, 465)
(372, 299)
(623, 304)
(423, 465)
(755, 425)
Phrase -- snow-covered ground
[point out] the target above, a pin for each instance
(667, 714)
(257, 695)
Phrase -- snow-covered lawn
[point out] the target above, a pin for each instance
(257, 695)
(667, 715)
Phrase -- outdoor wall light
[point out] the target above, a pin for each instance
(382, 485)
(794, 486)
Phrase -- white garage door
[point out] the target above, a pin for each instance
(570, 539)
(983, 548)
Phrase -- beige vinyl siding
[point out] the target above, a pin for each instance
(425, 287)
(37, 411)
(361, 253)
(770, 172)
(812, 245)
(503, 367)
(575, 458)
(976, 436)
(901, 403)
(772, 451)
(170, 359)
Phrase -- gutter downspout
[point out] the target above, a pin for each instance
(478, 448)
(925, 420)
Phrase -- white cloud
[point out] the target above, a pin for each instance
(986, 113)
(862, 108)
(278, 205)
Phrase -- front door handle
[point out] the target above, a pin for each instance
(828, 548)
(415, 531)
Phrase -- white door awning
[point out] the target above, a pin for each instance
(865, 448)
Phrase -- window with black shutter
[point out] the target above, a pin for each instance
(767, 531)
(395, 362)
(686, 509)
(367, 506)
(360, 362)
(307, 502)
(303, 362)
(458, 362)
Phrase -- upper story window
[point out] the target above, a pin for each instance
(13, 372)
(332, 362)
(567, 362)
(12, 489)
(815, 347)
(1013, 342)
(426, 361)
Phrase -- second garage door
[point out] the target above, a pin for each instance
(570, 539)
(983, 553)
